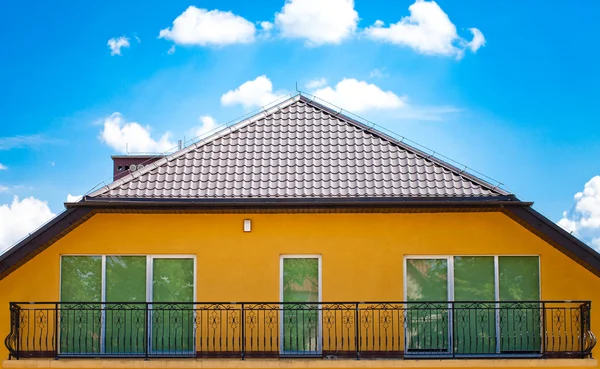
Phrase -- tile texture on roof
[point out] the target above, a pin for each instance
(300, 150)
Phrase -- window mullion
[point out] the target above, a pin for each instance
(497, 298)
(103, 306)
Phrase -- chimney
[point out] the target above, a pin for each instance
(126, 164)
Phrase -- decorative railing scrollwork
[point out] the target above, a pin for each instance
(456, 329)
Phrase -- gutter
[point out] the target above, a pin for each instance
(502, 201)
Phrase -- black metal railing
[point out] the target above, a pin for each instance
(545, 329)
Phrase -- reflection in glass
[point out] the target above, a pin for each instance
(300, 284)
(427, 324)
(80, 324)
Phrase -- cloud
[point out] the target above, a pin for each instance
(377, 73)
(583, 219)
(74, 198)
(266, 26)
(131, 137)
(171, 50)
(196, 26)
(316, 21)
(20, 218)
(358, 96)
(18, 142)
(4, 188)
(3, 167)
(255, 93)
(208, 125)
(115, 44)
(316, 83)
(428, 30)
(477, 41)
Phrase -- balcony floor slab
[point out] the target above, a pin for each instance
(294, 363)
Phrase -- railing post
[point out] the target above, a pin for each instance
(452, 335)
(356, 332)
(243, 337)
(582, 329)
(18, 330)
(56, 331)
(147, 331)
(544, 329)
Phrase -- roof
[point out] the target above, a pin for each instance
(298, 149)
(298, 156)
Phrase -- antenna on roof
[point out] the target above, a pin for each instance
(179, 144)
(297, 87)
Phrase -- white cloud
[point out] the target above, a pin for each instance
(318, 22)
(196, 26)
(316, 83)
(132, 137)
(208, 125)
(583, 220)
(428, 30)
(477, 41)
(4, 188)
(171, 50)
(255, 93)
(358, 96)
(74, 198)
(3, 167)
(115, 44)
(266, 26)
(377, 73)
(20, 218)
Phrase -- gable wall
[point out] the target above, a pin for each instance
(362, 254)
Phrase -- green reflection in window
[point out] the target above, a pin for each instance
(80, 324)
(474, 323)
(519, 323)
(125, 324)
(300, 325)
(172, 324)
(427, 324)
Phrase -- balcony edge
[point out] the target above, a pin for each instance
(296, 363)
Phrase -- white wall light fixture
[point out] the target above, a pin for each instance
(247, 225)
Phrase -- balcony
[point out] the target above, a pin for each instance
(344, 330)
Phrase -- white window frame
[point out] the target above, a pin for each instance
(149, 291)
(450, 281)
(320, 296)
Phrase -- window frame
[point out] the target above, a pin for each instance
(149, 275)
(450, 260)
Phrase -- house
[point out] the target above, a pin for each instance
(299, 238)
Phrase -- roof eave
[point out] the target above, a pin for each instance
(301, 202)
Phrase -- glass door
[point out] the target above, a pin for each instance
(125, 308)
(301, 323)
(172, 315)
(519, 316)
(427, 317)
(80, 316)
(474, 317)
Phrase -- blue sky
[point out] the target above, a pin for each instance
(521, 108)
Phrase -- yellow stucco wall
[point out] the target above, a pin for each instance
(362, 253)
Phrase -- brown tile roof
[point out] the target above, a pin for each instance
(298, 149)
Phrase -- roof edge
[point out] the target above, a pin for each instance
(227, 129)
(406, 146)
(301, 202)
(37, 241)
(555, 235)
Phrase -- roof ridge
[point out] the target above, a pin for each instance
(405, 146)
(266, 112)
(220, 133)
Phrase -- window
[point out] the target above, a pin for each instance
(473, 304)
(104, 299)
